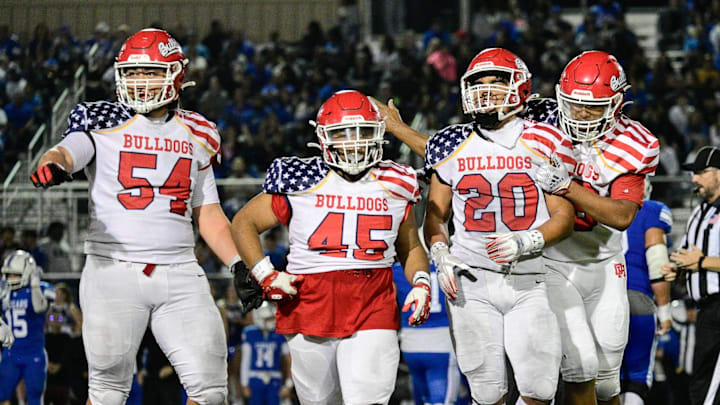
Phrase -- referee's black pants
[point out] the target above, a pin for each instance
(705, 378)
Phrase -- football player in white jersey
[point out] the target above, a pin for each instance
(484, 176)
(349, 214)
(149, 165)
(587, 277)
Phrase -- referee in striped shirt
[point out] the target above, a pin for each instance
(699, 257)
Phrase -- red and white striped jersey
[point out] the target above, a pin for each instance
(335, 224)
(614, 165)
(144, 180)
(492, 175)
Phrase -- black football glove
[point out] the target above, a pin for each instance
(50, 174)
(247, 288)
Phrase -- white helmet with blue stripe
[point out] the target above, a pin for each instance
(264, 317)
(17, 268)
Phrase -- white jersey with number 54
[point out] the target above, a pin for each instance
(145, 177)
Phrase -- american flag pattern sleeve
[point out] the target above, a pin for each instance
(292, 175)
(98, 115)
(442, 145)
(399, 180)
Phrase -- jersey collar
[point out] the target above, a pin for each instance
(506, 136)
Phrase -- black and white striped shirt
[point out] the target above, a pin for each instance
(703, 231)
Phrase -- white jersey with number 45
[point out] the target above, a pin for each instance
(492, 175)
(145, 178)
(335, 224)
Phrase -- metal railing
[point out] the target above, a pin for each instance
(32, 156)
(44, 136)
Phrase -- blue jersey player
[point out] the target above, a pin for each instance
(265, 360)
(646, 253)
(427, 348)
(24, 309)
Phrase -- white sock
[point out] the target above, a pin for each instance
(520, 401)
(631, 398)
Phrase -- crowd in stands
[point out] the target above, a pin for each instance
(262, 94)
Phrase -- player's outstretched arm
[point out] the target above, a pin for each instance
(53, 168)
(214, 228)
(394, 124)
(415, 262)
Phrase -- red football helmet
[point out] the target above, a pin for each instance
(150, 48)
(590, 95)
(350, 130)
(476, 96)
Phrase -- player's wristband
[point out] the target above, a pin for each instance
(663, 313)
(262, 269)
(234, 260)
(534, 242)
(438, 248)
(422, 277)
(289, 383)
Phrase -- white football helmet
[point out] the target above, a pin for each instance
(264, 317)
(17, 269)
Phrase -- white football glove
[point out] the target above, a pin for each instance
(420, 297)
(445, 263)
(552, 176)
(35, 277)
(508, 247)
(276, 285)
(6, 336)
